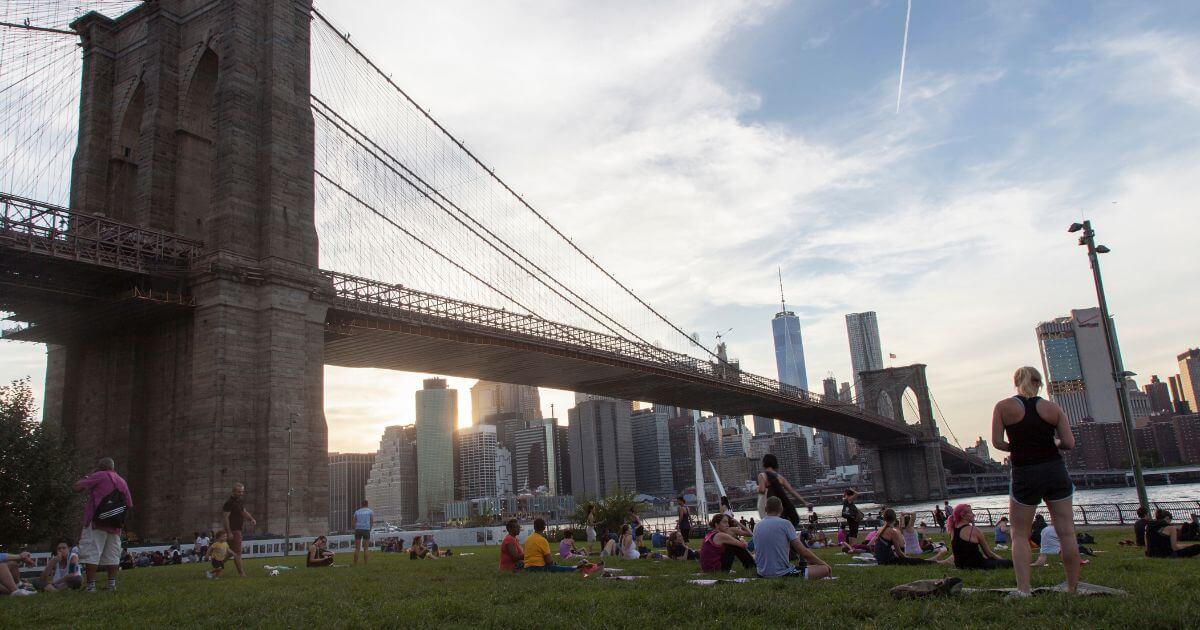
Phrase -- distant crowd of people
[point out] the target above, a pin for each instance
(1031, 429)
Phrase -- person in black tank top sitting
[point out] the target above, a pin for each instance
(968, 543)
(1033, 430)
(889, 544)
(1162, 539)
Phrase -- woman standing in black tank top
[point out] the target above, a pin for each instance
(1034, 430)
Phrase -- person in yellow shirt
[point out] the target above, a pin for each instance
(538, 558)
(218, 552)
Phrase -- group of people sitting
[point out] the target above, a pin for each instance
(62, 572)
(1161, 537)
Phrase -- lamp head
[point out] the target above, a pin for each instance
(1075, 227)
(1102, 249)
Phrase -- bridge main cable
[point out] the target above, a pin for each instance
(492, 174)
(324, 110)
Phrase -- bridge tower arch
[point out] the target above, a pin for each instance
(197, 113)
(908, 470)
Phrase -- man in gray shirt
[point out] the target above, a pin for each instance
(774, 538)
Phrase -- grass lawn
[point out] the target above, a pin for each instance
(394, 591)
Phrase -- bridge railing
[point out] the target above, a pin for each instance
(50, 230)
(371, 297)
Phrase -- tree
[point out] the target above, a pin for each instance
(611, 511)
(36, 473)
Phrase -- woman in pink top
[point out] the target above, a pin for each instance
(720, 547)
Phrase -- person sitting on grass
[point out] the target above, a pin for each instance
(774, 541)
(318, 555)
(970, 548)
(567, 548)
(218, 552)
(537, 553)
(1002, 530)
(720, 547)
(1162, 539)
(627, 546)
(1051, 546)
(418, 550)
(912, 540)
(62, 571)
(512, 556)
(677, 549)
(890, 544)
(10, 573)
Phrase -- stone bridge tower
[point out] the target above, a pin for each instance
(195, 119)
(909, 470)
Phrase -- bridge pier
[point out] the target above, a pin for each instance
(906, 472)
(197, 122)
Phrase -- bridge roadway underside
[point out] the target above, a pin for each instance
(352, 341)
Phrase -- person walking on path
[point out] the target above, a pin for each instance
(235, 516)
(684, 520)
(364, 521)
(773, 484)
(103, 516)
(1033, 430)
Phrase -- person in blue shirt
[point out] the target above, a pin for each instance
(364, 520)
(774, 540)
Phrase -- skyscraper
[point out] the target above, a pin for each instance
(1077, 367)
(1189, 378)
(562, 454)
(764, 426)
(489, 397)
(392, 485)
(601, 448)
(865, 352)
(1176, 384)
(475, 462)
(1160, 396)
(789, 357)
(652, 452)
(681, 435)
(348, 474)
(437, 413)
(504, 472)
(534, 462)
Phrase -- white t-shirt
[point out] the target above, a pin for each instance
(1051, 545)
(202, 541)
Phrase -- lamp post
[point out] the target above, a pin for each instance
(1114, 356)
(287, 509)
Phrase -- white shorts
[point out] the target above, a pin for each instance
(99, 547)
(591, 534)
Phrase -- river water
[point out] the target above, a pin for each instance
(1178, 492)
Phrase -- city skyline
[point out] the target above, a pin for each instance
(1000, 195)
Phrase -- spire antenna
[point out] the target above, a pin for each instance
(782, 302)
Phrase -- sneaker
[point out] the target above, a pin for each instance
(1015, 594)
(91, 588)
(208, 574)
(22, 593)
(111, 588)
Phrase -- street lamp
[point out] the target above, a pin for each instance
(1114, 356)
(287, 509)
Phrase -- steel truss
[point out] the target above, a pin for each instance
(373, 298)
(42, 228)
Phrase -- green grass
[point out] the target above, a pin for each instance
(468, 591)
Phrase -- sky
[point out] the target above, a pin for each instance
(695, 147)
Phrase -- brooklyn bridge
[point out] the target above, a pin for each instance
(228, 195)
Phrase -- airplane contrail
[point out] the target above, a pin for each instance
(903, 54)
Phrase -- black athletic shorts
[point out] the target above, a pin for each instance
(851, 528)
(218, 564)
(362, 534)
(1048, 481)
